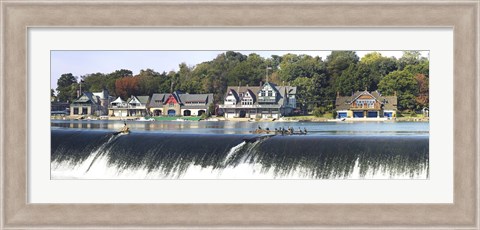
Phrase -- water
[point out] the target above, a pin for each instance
(217, 150)
(230, 127)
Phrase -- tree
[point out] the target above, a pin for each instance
(338, 61)
(94, 82)
(294, 66)
(113, 77)
(404, 85)
(251, 71)
(67, 87)
(149, 81)
(380, 66)
(304, 92)
(126, 87)
(410, 58)
(422, 98)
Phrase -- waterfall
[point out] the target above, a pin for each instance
(100, 155)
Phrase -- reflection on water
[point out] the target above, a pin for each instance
(228, 127)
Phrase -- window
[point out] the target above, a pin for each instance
(263, 94)
(269, 93)
(171, 104)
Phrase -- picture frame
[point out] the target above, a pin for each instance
(18, 16)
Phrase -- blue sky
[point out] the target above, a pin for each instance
(86, 62)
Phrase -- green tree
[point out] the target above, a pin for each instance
(251, 71)
(410, 58)
(305, 91)
(149, 81)
(94, 82)
(294, 66)
(338, 61)
(67, 87)
(404, 85)
(380, 66)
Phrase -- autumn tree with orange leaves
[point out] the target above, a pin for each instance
(127, 86)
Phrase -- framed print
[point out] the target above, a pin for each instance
(52, 179)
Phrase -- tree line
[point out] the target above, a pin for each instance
(318, 81)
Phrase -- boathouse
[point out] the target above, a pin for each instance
(134, 106)
(364, 104)
(91, 104)
(179, 104)
(266, 101)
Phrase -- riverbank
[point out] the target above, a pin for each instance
(282, 119)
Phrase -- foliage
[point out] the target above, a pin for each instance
(318, 81)
(67, 88)
(403, 84)
(127, 86)
(319, 111)
(211, 109)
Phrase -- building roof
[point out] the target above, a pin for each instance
(254, 90)
(343, 102)
(142, 99)
(87, 97)
(158, 99)
(205, 98)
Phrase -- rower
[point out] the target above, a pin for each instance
(125, 127)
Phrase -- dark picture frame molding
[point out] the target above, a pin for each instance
(18, 16)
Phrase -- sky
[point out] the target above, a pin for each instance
(80, 62)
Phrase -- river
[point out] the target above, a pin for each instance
(218, 150)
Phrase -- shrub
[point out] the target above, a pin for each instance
(319, 111)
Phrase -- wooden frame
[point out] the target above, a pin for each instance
(18, 16)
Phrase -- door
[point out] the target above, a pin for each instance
(358, 114)
(372, 114)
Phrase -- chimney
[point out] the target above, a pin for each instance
(338, 94)
(395, 93)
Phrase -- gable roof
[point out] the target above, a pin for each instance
(142, 99)
(87, 97)
(205, 98)
(254, 90)
(234, 93)
(158, 99)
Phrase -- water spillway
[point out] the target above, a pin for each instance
(139, 155)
